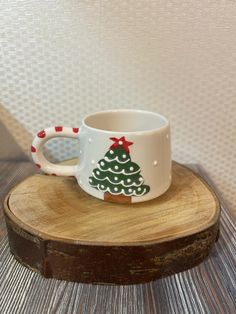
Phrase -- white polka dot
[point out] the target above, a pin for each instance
(116, 178)
(130, 190)
(106, 158)
(116, 167)
(92, 162)
(131, 168)
(140, 179)
(102, 186)
(139, 189)
(120, 143)
(116, 189)
(129, 180)
(155, 163)
(90, 140)
(111, 152)
(98, 172)
(102, 163)
(90, 180)
(124, 156)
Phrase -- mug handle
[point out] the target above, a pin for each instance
(37, 150)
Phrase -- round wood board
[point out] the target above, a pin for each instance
(59, 230)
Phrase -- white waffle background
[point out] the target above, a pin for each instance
(62, 59)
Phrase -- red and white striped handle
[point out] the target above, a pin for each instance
(37, 150)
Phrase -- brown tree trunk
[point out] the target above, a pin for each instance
(117, 198)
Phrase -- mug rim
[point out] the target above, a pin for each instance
(157, 129)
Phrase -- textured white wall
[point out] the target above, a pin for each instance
(60, 60)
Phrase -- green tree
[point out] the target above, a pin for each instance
(117, 174)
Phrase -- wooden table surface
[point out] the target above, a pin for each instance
(207, 288)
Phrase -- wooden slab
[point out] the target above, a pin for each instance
(57, 229)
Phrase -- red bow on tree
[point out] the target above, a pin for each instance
(120, 142)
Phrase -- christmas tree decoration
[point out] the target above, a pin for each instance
(117, 176)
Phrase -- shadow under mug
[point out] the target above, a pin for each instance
(124, 155)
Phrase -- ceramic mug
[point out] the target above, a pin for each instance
(124, 156)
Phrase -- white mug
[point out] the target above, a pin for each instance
(125, 155)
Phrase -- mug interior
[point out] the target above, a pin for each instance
(126, 121)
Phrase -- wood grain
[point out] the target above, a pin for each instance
(56, 228)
